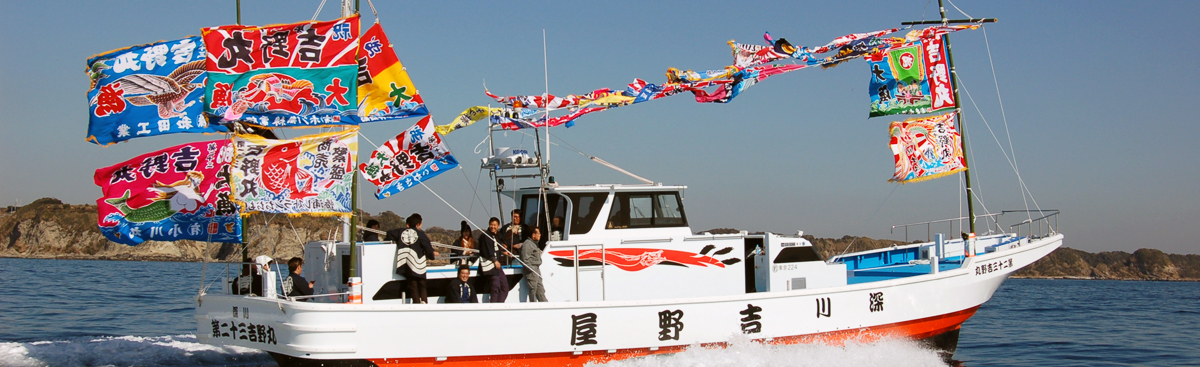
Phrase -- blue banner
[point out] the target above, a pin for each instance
(147, 90)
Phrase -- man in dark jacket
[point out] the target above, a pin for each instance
(412, 249)
(369, 236)
(514, 233)
(460, 290)
(490, 270)
(295, 285)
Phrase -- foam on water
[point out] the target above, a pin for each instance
(178, 350)
(742, 352)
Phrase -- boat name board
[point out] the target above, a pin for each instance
(993, 266)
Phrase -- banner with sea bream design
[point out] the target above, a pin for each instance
(178, 193)
(311, 174)
(910, 79)
(300, 74)
(413, 156)
(385, 91)
(147, 90)
(926, 148)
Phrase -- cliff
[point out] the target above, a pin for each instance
(47, 228)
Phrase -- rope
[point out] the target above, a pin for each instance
(960, 10)
(373, 11)
(485, 233)
(1011, 164)
(314, 18)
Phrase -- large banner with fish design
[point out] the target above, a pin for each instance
(912, 78)
(147, 90)
(300, 74)
(312, 174)
(178, 193)
(926, 148)
(385, 91)
(416, 155)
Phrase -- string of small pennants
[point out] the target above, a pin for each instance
(247, 80)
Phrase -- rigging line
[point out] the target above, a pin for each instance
(864, 225)
(1004, 116)
(314, 18)
(481, 229)
(474, 190)
(960, 10)
(1020, 180)
(289, 218)
(368, 139)
(373, 11)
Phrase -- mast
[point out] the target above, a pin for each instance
(352, 227)
(962, 128)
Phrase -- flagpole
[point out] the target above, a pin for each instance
(351, 228)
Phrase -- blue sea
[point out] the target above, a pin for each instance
(128, 313)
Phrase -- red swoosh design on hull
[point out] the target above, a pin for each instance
(634, 259)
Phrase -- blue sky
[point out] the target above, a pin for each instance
(1098, 97)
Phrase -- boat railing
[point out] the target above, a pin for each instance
(230, 285)
(1045, 227)
(992, 223)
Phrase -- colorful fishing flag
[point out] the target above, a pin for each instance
(416, 155)
(146, 90)
(926, 148)
(178, 193)
(385, 91)
(311, 174)
(912, 78)
(466, 118)
(300, 74)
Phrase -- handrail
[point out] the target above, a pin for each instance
(1048, 228)
(992, 223)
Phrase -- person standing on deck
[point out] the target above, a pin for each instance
(295, 285)
(531, 259)
(490, 269)
(369, 236)
(514, 233)
(465, 241)
(412, 249)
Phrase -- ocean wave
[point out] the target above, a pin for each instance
(742, 352)
(177, 350)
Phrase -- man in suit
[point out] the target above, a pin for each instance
(513, 233)
(460, 290)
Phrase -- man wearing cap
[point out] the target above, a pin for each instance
(253, 284)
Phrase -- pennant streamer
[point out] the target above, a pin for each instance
(416, 155)
(926, 148)
(911, 78)
(301, 74)
(384, 90)
(147, 90)
(311, 174)
(178, 193)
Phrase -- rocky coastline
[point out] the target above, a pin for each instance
(50, 229)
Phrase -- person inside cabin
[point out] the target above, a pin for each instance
(369, 236)
(460, 290)
(491, 273)
(531, 260)
(556, 229)
(295, 285)
(466, 242)
(414, 247)
(514, 232)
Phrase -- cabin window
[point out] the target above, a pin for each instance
(587, 209)
(796, 255)
(646, 210)
(531, 211)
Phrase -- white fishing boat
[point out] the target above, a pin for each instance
(628, 277)
(625, 274)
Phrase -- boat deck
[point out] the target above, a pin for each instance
(898, 271)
